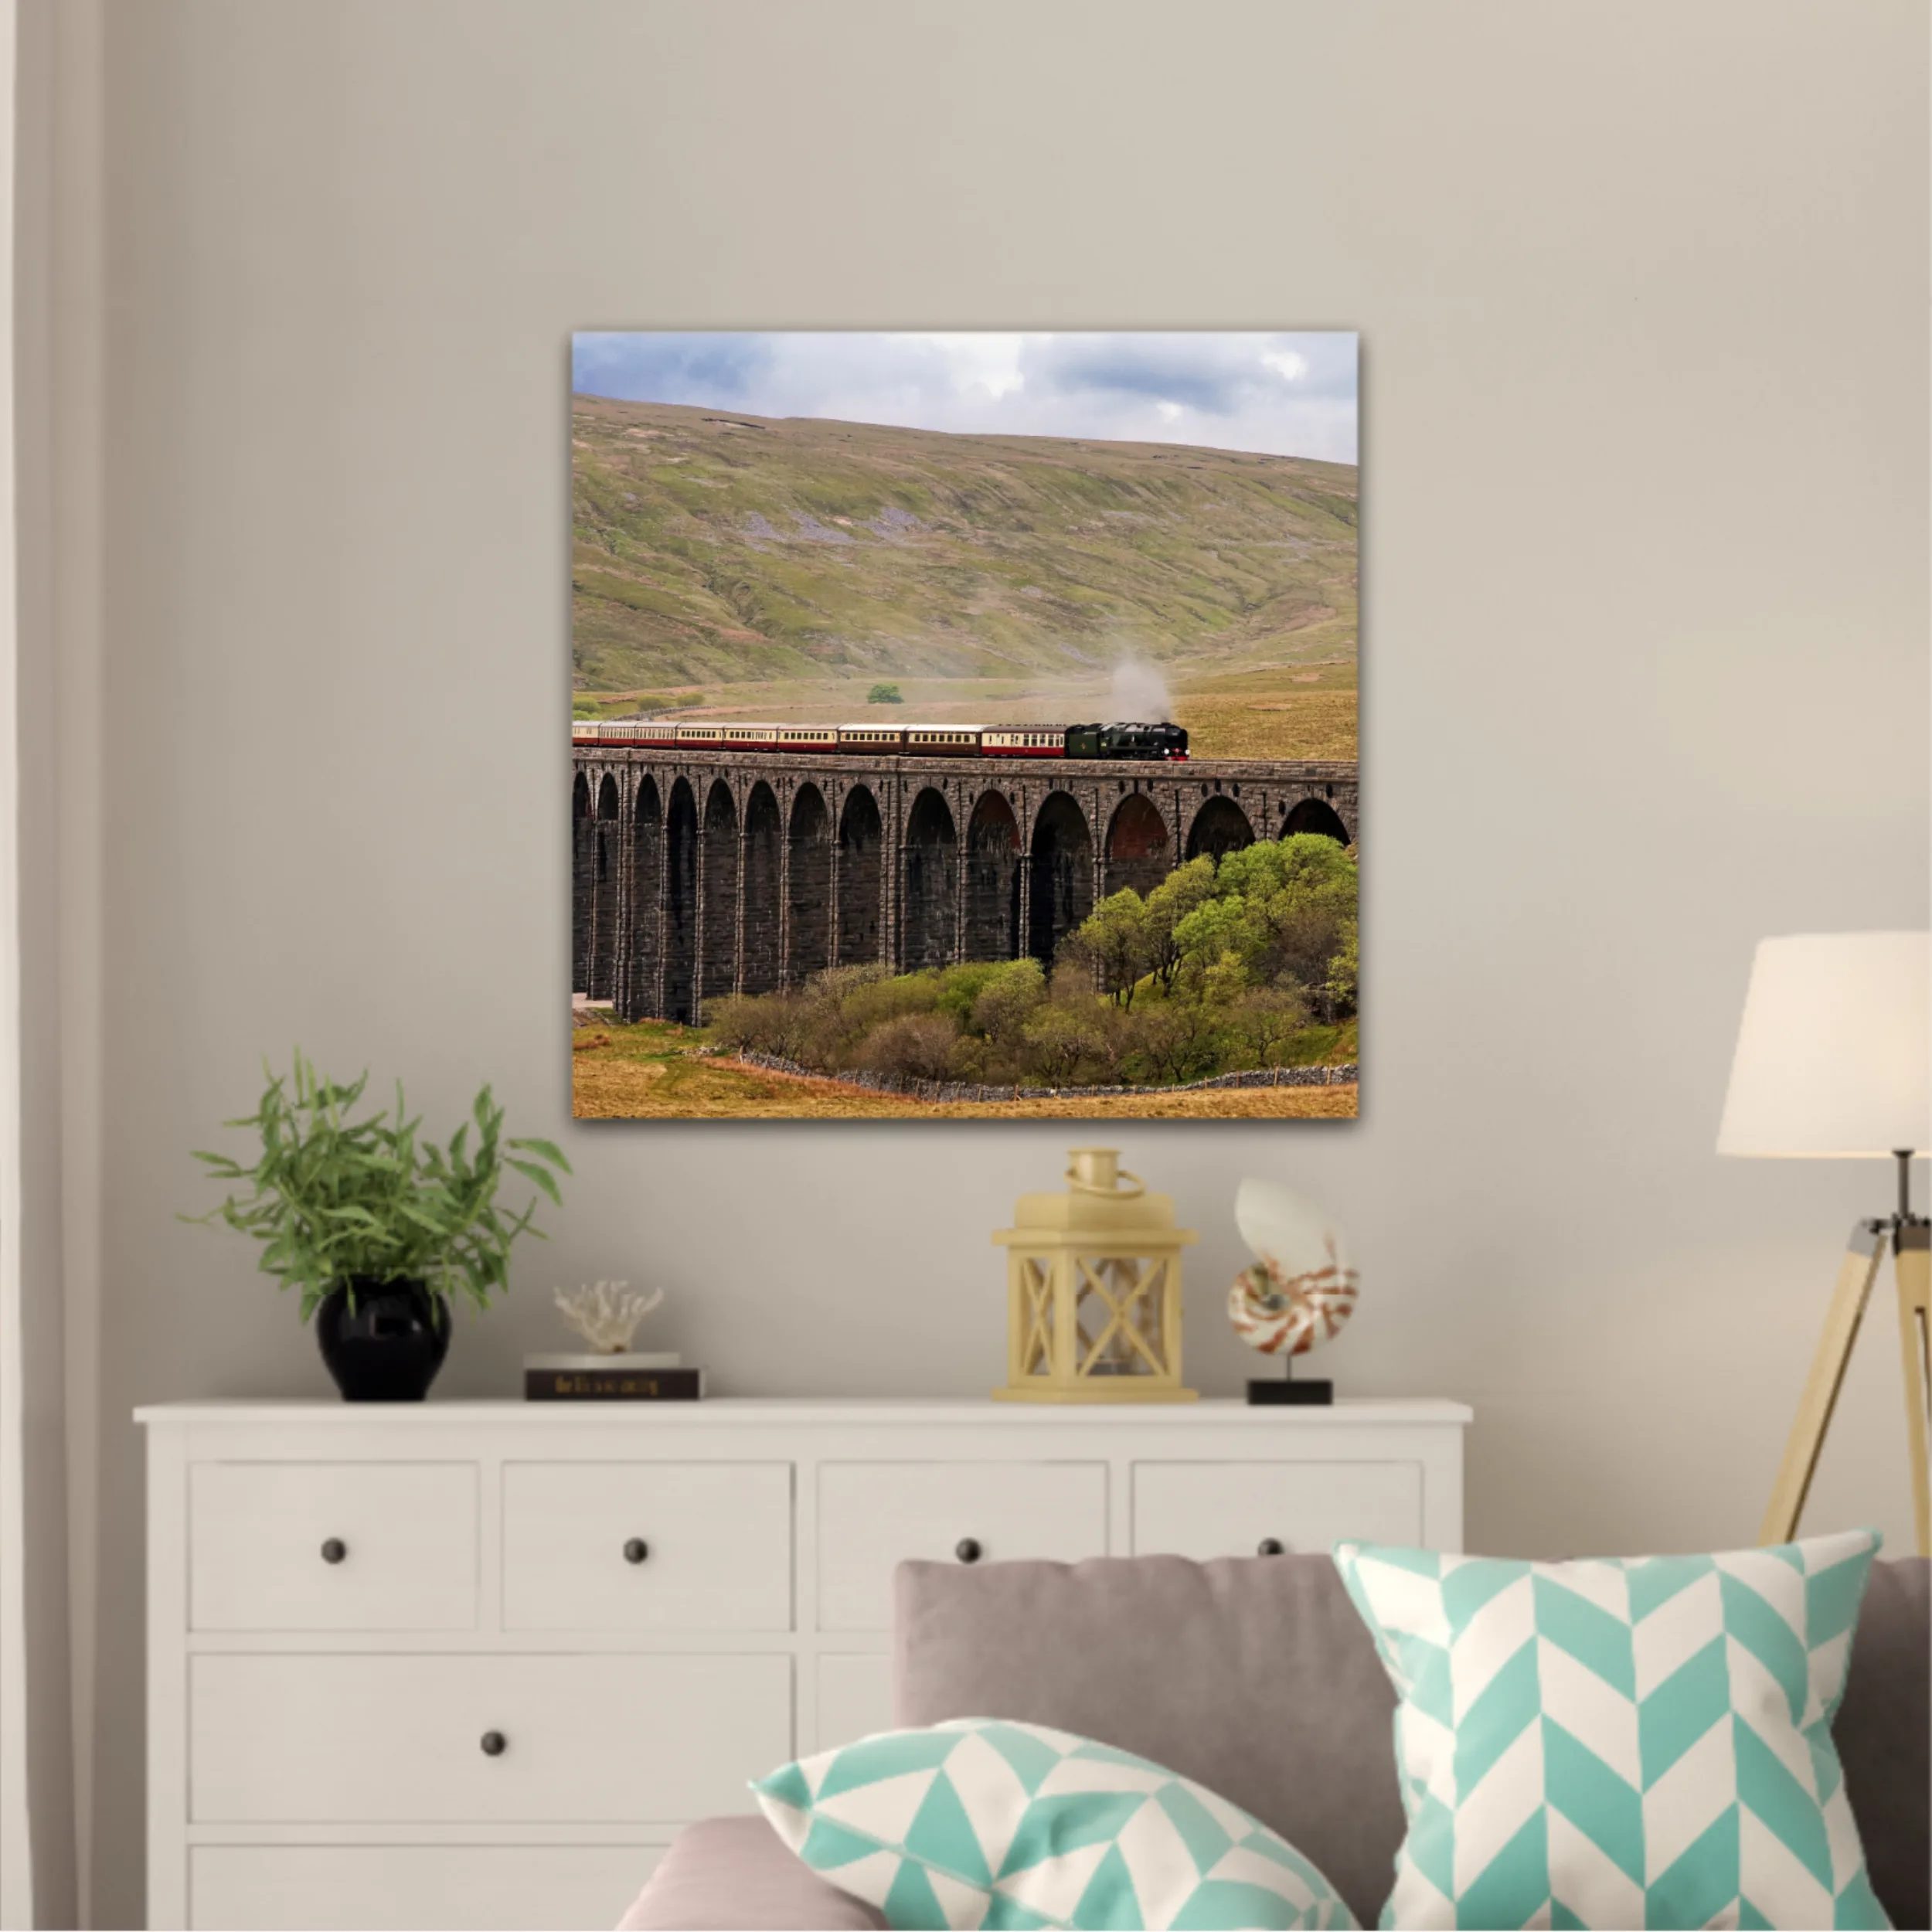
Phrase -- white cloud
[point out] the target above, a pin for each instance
(985, 360)
(1286, 394)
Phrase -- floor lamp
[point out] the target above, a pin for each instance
(1832, 1062)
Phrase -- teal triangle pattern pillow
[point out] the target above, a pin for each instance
(1621, 1744)
(983, 1823)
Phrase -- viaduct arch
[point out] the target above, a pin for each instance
(693, 876)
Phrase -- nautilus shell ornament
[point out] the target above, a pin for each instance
(1300, 1288)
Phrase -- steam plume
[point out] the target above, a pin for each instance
(1140, 696)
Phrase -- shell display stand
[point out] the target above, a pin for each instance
(1093, 1290)
(1316, 1393)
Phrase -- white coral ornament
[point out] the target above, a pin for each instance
(1301, 1289)
(605, 1313)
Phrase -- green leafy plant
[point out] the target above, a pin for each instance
(333, 1199)
(884, 694)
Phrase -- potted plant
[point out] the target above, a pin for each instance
(376, 1227)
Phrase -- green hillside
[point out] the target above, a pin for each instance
(715, 548)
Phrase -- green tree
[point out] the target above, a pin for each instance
(1217, 984)
(1339, 989)
(1008, 1001)
(1115, 1043)
(1060, 1037)
(1116, 941)
(1302, 861)
(1222, 930)
(884, 694)
(1175, 1039)
(1284, 908)
(1170, 903)
(1264, 1019)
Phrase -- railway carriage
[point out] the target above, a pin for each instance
(617, 731)
(943, 741)
(1025, 741)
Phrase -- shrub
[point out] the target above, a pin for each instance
(918, 1047)
(761, 1023)
(835, 982)
(884, 694)
(960, 988)
(739, 1021)
(821, 1025)
(872, 1003)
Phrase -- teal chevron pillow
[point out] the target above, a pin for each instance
(1613, 1744)
(979, 1822)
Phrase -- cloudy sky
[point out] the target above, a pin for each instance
(1288, 395)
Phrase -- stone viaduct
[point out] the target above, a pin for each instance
(697, 873)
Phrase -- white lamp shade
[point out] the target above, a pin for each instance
(1832, 1052)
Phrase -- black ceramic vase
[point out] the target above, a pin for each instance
(383, 1340)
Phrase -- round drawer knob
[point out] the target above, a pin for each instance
(1271, 1546)
(966, 1549)
(636, 1550)
(335, 1550)
(494, 1743)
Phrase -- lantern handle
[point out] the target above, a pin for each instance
(1077, 1185)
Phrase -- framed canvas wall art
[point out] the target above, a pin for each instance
(964, 725)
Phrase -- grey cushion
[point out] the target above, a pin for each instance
(1256, 1677)
(738, 1875)
(1252, 1676)
(1884, 1734)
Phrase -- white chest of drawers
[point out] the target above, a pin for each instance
(472, 1664)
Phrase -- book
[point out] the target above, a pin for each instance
(584, 1359)
(606, 1381)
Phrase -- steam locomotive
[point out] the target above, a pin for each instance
(1161, 742)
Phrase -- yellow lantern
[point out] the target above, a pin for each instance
(1093, 1290)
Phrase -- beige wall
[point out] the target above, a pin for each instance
(1643, 294)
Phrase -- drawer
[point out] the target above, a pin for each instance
(391, 1739)
(1203, 1510)
(261, 1537)
(715, 1537)
(414, 1888)
(854, 1697)
(873, 1516)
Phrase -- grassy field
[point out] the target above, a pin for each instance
(726, 565)
(649, 1071)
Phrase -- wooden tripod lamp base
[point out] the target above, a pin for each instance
(1909, 1239)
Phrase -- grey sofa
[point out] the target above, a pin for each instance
(1255, 1677)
